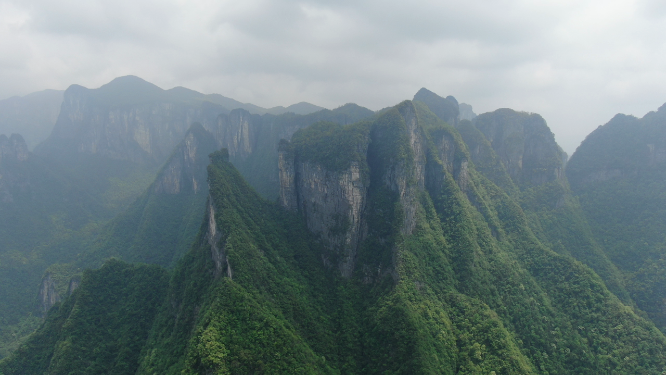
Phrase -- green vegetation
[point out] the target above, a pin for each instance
(331, 145)
(460, 270)
(48, 214)
(260, 168)
(617, 174)
(101, 328)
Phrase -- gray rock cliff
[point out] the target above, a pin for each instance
(13, 149)
(445, 108)
(48, 296)
(185, 171)
(127, 119)
(466, 112)
(13, 177)
(333, 201)
(524, 144)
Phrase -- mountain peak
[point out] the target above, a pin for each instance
(129, 81)
(129, 89)
(445, 108)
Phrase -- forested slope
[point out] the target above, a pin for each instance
(618, 173)
(117, 177)
(391, 253)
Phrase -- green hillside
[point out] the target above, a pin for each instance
(618, 176)
(449, 276)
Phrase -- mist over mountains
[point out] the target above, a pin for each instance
(168, 231)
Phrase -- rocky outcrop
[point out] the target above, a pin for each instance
(74, 284)
(446, 109)
(466, 112)
(524, 144)
(449, 151)
(213, 237)
(127, 119)
(408, 182)
(625, 147)
(237, 132)
(13, 149)
(332, 203)
(288, 189)
(48, 296)
(185, 171)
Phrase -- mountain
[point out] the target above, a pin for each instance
(126, 119)
(121, 175)
(618, 175)
(32, 116)
(133, 120)
(252, 140)
(465, 112)
(518, 152)
(446, 109)
(387, 251)
(301, 108)
(162, 223)
(44, 213)
(80, 327)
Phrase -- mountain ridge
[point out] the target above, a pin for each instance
(399, 243)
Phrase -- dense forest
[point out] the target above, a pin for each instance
(408, 240)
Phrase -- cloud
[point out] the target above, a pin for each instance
(575, 62)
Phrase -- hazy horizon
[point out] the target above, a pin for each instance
(575, 63)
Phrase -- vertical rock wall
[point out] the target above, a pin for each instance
(525, 145)
(48, 296)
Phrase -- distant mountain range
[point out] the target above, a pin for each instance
(104, 151)
(34, 115)
(158, 232)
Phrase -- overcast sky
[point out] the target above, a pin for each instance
(577, 63)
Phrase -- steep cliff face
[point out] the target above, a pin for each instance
(409, 182)
(48, 296)
(524, 144)
(13, 149)
(13, 176)
(185, 171)
(332, 203)
(160, 225)
(445, 108)
(217, 250)
(331, 187)
(625, 147)
(332, 200)
(107, 122)
(238, 133)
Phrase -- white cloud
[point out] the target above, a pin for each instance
(575, 62)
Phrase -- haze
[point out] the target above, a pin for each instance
(577, 63)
